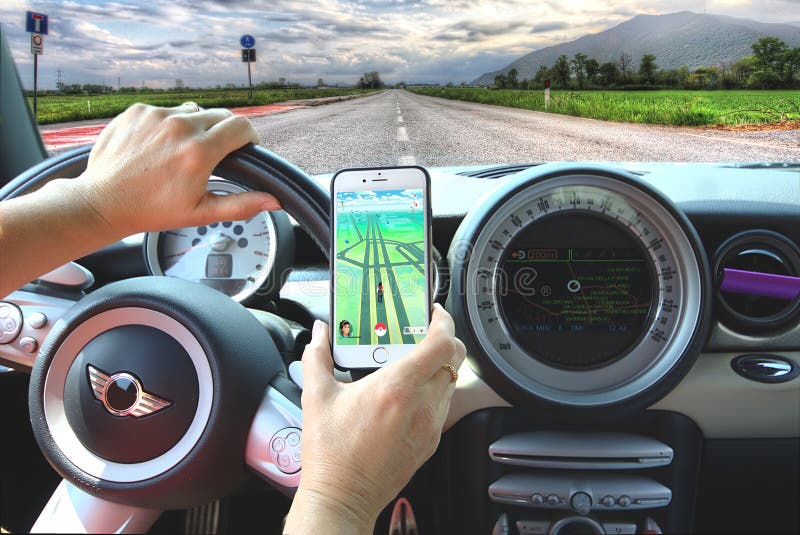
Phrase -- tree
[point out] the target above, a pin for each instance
(179, 83)
(579, 68)
(561, 70)
(609, 74)
(370, 80)
(320, 82)
(592, 69)
(647, 69)
(511, 79)
(625, 61)
(541, 75)
(500, 81)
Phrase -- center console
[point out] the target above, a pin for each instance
(516, 473)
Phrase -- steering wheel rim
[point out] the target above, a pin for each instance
(254, 167)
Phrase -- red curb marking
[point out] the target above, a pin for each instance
(81, 135)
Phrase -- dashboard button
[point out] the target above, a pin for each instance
(581, 503)
(37, 320)
(552, 499)
(279, 445)
(608, 501)
(283, 460)
(537, 499)
(293, 439)
(28, 344)
(10, 322)
(624, 501)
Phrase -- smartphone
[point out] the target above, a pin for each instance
(381, 264)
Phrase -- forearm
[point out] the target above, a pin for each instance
(45, 229)
(315, 513)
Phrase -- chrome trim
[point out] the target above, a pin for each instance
(145, 403)
(70, 510)
(274, 414)
(70, 274)
(55, 414)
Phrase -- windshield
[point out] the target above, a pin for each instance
(340, 83)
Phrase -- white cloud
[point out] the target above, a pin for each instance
(410, 40)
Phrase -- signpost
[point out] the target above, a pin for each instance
(546, 93)
(248, 56)
(36, 25)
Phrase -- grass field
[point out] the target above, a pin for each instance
(380, 246)
(57, 109)
(678, 107)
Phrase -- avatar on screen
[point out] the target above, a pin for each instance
(380, 267)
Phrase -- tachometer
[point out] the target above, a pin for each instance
(583, 289)
(234, 257)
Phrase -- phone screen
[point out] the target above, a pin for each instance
(380, 288)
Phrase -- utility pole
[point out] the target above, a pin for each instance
(118, 82)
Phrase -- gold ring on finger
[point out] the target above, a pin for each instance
(453, 372)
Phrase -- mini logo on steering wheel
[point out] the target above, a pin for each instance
(122, 394)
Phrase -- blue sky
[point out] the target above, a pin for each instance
(156, 42)
(379, 200)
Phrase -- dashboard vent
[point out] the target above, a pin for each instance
(757, 279)
(500, 171)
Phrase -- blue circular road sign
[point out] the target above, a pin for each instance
(248, 41)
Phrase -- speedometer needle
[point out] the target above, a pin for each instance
(184, 251)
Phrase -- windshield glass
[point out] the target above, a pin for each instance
(338, 83)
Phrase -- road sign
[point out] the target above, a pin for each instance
(36, 22)
(37, 44)
(247, 41)
(248, 55)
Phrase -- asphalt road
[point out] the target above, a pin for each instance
(398, 127)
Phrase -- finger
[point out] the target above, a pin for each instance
(186, 107)
(443, 378)
(438, 348)
(235, 207)
(317, 360)
(230, 134)
(208, 118)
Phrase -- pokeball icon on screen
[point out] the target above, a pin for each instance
(380, 329)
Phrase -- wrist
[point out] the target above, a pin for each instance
(80, 195)
(317, 512)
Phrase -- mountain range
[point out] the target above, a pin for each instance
(683, 38)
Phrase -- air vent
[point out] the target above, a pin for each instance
(500, 171)
(758, 288)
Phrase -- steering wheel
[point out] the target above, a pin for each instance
(154, 393)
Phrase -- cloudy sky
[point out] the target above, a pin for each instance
(157, 41)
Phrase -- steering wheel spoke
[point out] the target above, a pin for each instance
(70, 510)
(274, 441)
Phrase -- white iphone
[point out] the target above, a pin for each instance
(381, 262)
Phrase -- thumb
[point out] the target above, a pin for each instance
(317, 360)
(235, 207)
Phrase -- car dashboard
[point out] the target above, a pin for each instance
(633, 337)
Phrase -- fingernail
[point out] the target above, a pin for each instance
(316, 331)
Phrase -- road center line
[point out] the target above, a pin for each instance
(402, 133)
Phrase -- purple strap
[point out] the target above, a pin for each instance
(761, 284)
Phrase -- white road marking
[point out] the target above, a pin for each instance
(399, 118)
(402, 133)
(407, 159)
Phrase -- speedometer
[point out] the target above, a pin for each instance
(583, 289)
(234, 257)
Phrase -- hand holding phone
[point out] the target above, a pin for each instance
(380, 288)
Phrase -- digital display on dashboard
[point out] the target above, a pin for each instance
(575, 290)
(219, 266)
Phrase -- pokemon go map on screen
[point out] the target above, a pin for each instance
(380, 267)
